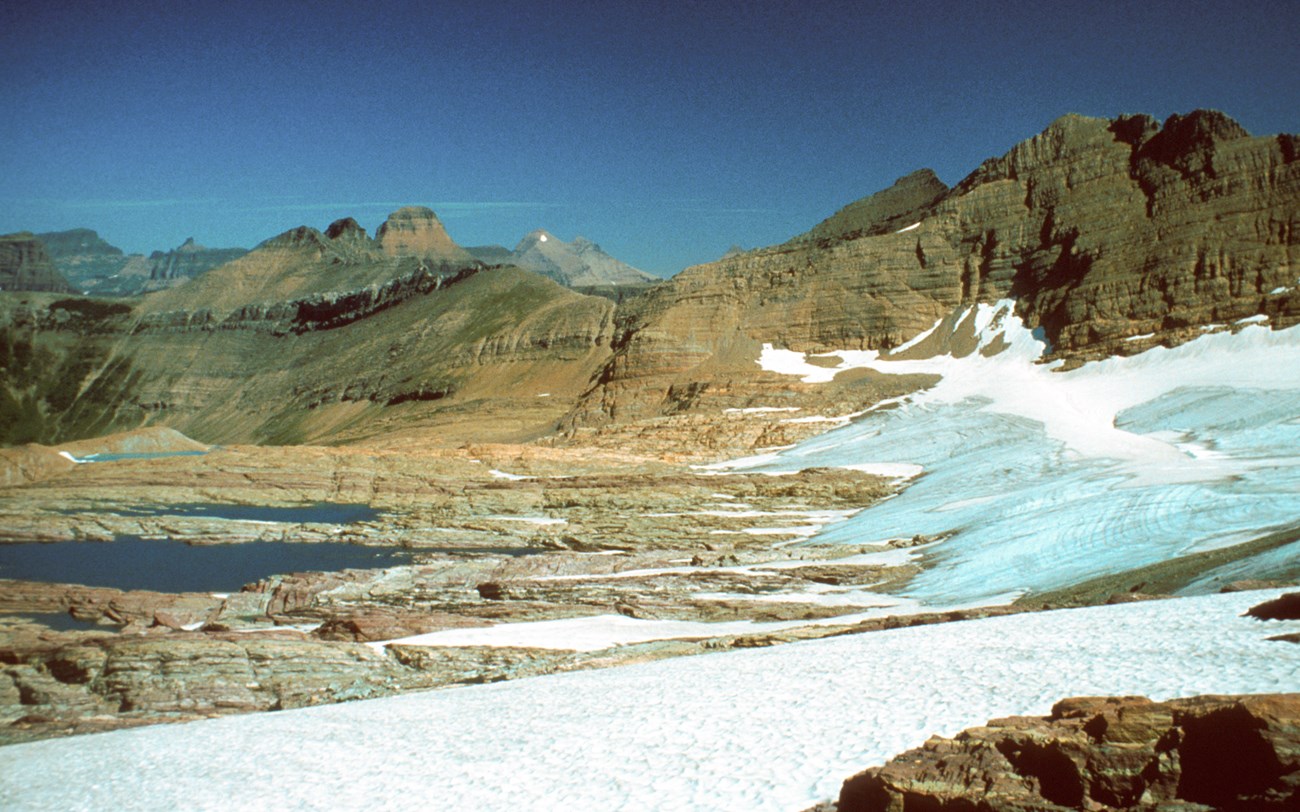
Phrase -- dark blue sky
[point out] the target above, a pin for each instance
(666, 131)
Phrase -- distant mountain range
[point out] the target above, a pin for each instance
(93, 266)
(89, 264)
(1110, 235)
(577, 264)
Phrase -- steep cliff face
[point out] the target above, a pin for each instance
(1100, 229)
(94, 266)
(1108, 229)
(25, 265)
(186, 261)
(89, 262)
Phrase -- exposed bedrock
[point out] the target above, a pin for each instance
(1100, 229)
(1207, 752)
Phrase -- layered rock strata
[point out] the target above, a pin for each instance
(415, 231)
(1101, 230)
(25, 265)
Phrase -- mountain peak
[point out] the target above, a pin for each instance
(300, 237)
(346, 228)
(416, 231)
(538, 236)
(25, 265)
(580, 263)
(886, 210)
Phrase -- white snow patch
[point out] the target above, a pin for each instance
(1258, 318)
(685, 733)
(512, 477)
(538, 520)
(71, 458)
(893, 470)
(1278, 291)
(544, 395)
(580, 634)
(908, 228)
(761, 410)
(541, 238)
(1142, 337)
(728, 466)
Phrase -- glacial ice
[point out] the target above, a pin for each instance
(1040, 478)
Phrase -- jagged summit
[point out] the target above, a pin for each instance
(300, 237)
(346, 228)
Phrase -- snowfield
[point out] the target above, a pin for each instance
(764, 729)
(1046, 478)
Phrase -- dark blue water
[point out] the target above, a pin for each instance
(59, 621)
(173, 566)
(321, 512)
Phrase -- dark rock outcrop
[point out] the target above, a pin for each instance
(1208, 752)
(1286, 607)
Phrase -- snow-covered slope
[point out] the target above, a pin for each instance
(1042, 478)
(775, 728)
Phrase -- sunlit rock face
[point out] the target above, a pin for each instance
(415, 231)
(1100, 230)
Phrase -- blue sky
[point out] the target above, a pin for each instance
(665, 131)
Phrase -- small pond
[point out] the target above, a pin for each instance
(173, 566)
(58, 621)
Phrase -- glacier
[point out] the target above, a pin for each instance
(1037, 478)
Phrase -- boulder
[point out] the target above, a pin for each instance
(1219, 752)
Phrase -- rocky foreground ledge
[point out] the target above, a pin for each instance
(1100, 753)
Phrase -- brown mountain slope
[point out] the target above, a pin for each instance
(1099, 229)
(499, 354)
(297, 263)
